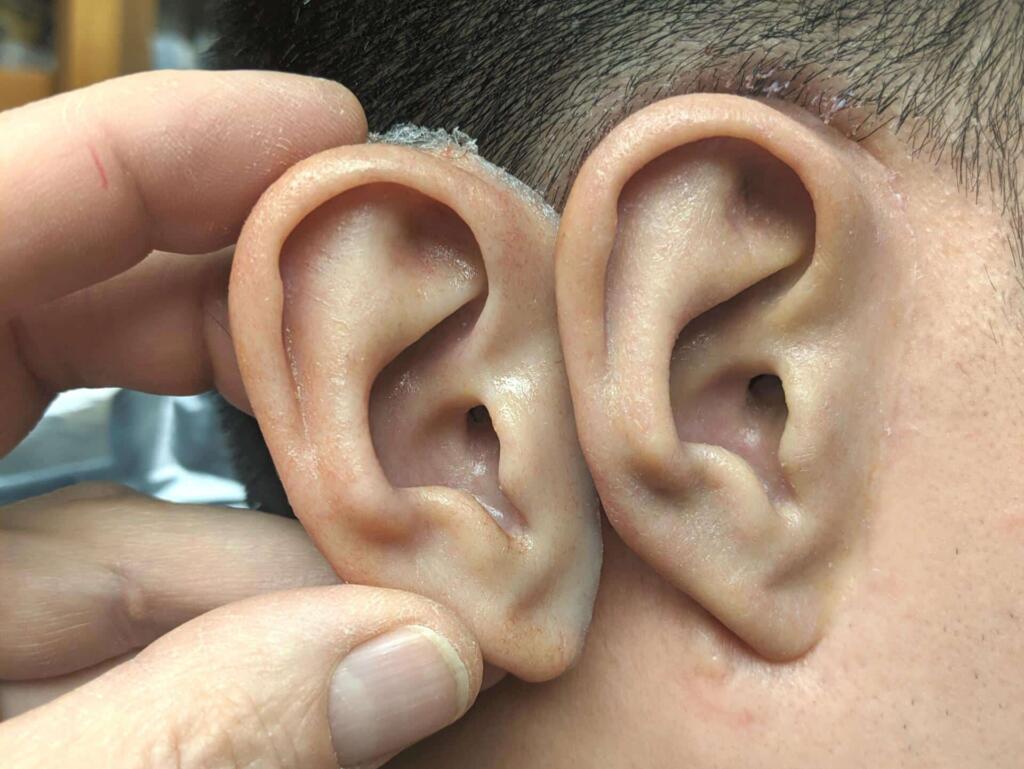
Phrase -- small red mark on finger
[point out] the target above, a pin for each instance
(99, 166)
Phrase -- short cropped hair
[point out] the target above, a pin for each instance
(539, 83)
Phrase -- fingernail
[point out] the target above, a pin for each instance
(394, 690)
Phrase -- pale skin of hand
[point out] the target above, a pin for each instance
(118, 207)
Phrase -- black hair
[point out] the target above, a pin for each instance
(539, 83)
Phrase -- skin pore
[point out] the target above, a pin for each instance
(921, 664)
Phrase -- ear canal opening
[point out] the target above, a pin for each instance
(484, 457)
(766, 397)
(767, 414)
(719, 395)
(434, 439)
(429, 429)
(746, 415)
(480, 417)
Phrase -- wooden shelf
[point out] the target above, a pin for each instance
(20, 86)
(95, 40)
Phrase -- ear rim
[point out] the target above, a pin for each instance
(585, 245)
(257, 282)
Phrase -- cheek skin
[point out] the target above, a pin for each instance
(656, 667)
(947, 556)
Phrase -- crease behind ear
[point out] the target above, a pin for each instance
(712, 260)
(396, 333)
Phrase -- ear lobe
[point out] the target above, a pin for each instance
(709, 259)
(395, 326)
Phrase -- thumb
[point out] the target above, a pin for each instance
(314, 677)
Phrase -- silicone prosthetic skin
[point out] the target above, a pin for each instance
(393, 308)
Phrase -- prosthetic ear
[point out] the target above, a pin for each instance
(394, 318)
(710, 260)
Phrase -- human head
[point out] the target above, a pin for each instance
(918, 661)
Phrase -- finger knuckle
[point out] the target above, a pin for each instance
(129, 615)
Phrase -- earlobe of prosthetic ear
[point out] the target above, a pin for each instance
(706, 271)
(395, 327)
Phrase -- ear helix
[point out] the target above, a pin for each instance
(395, 326)
(662, 272)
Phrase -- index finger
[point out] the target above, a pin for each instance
(93, 180)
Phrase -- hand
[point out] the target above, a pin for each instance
(307, 677)
(93, 181)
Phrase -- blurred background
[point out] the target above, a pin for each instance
(167, 447)
(49, 46)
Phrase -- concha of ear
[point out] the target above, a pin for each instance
(714, 261)
(393, 312)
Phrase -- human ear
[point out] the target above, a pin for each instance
(394, 318)
(713, 264)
